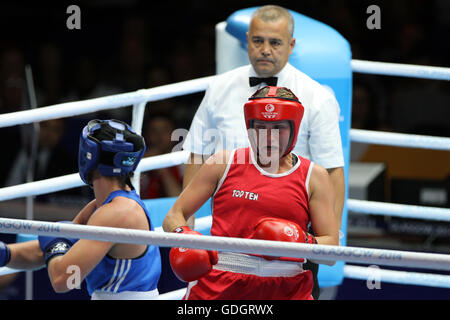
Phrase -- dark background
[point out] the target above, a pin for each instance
(128, 45)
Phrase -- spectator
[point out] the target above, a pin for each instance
(165, 182)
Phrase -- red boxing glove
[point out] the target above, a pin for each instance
(282, 230)
(191, 264)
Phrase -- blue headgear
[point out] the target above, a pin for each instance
(115, 157)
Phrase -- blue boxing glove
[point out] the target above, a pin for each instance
(5, 254)
(55, 246)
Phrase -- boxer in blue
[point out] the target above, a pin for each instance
(109, 153)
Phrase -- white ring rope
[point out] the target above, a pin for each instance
(399, 139)
(75, 108)
(350, 272)
(173, 295)
(399, 277)
(263, 247)
(73, 180)
(41, 187)
(70, 109)
(7, 270)
(402, 70)
(398, 210)
(179, 157)
(163, 161)
(200, 224)
(366, 274)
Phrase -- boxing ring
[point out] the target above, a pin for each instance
(358, 255)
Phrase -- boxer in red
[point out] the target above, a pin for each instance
(261, 192)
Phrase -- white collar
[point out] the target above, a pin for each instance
(273, 175)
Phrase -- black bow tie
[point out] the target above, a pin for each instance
(271, 81)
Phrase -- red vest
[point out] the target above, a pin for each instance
(246, 194)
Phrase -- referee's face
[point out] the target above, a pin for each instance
(269, 46)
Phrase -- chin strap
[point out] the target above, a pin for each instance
(128, 182)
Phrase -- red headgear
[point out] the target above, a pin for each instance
(272, 108)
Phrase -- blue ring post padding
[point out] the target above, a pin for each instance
(23, 237)
(324, 55)
(158, 209)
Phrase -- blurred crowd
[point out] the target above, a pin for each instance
(126, 45)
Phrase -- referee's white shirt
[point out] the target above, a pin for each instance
(219, 121)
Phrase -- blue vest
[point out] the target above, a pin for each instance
(116, 275)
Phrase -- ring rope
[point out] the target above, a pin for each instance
(41, 187)
(172, 295)
(74, 108)
(399, 139)
(200, 224)
(399, 277)
(367, 274)
(163, 161)
(350, 272)
(73, 180)
(262, 247)
(398, 210)
(399, 69)
(179, 157)
(70, 109)
(6, 270)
